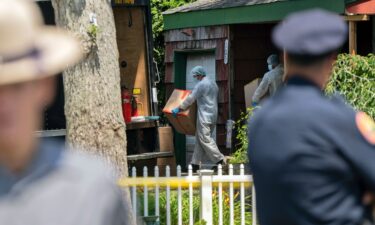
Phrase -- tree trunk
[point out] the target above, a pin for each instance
(92, 88)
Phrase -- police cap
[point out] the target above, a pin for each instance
(310, 32)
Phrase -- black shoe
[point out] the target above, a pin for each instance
(195, 167)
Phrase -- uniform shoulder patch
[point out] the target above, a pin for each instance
(366, 126)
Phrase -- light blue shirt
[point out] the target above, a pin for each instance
(60, 187)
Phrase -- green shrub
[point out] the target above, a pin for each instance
(354, 77)
(242, 142)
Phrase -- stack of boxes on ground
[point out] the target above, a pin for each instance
(166, 145)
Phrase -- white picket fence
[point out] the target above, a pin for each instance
(208, 183)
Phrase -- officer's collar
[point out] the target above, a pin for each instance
(301, 81)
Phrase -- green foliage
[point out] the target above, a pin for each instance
(237, 209)
(200, 222)
(157, 8)
(196, 206)
(240, 154)
(93, 31)
(354, 77)
(173, 205)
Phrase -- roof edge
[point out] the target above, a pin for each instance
(175, 10)
(259, 13)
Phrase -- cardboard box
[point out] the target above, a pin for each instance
(185, 121)
(250, 89)
(166, 139)
(166, 145)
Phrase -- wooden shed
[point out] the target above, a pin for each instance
(231, 39)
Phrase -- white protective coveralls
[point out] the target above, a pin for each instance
(271, 81)
(205, 93)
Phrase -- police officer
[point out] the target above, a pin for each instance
(41, 182)
(313, 157)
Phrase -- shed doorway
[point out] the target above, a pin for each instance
(208, 61)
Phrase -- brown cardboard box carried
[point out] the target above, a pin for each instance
(185, 121)
(249, 90)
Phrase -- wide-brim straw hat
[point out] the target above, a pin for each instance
(29, 50)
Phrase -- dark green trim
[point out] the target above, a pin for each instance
(179, 69)
(180, 83)
(351, 1)
(247, 14)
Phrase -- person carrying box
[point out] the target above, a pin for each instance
(205, 94)
(271, 81)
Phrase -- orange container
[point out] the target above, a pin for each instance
(185, 121)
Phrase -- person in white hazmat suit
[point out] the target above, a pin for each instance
(271, 81)
(205, 92)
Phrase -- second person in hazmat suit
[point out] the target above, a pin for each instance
(205, 93)
(271, 81)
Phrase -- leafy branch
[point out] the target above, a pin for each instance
(240, 155)
(353, 77)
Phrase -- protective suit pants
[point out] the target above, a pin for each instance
(206, 150)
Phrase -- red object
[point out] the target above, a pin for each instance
(126, 105)
(362, 7)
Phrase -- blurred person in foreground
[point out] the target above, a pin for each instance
(40, 182)
(313, 157)
(271, 81)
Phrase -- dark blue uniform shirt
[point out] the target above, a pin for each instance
(310, 162)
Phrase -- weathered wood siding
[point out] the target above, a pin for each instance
(201, 39)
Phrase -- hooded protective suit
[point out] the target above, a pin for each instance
(271, 81)
(205, 93)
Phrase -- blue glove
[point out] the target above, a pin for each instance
(175, 112)
(254, 104)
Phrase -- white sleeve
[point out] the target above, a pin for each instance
(196, 93)
(262, 89)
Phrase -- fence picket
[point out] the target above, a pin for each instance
(191, 215)
(145, 194)
(157, 210)
(207, 182)
(134, 193)
(179, 197)
(242, 195)
(220, 195)
(206, 196)
(253, 206)
(231, 200)
(168, 190)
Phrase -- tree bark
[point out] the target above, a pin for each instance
(92, 88)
